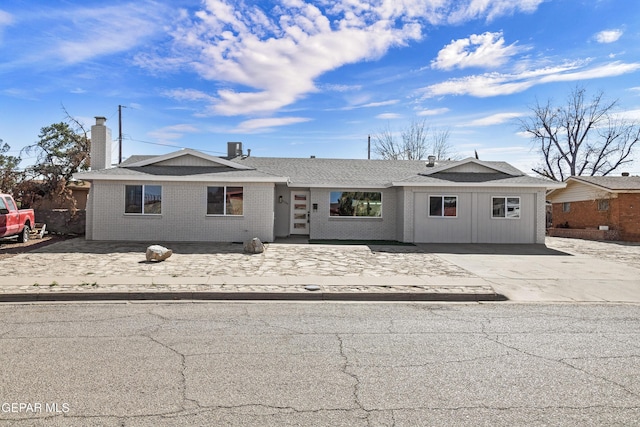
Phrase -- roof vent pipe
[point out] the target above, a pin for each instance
(431, 161)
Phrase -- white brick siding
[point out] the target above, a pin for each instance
(183, 218)
(324, 226)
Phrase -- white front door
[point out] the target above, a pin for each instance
(299, 212)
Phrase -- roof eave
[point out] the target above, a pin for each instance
(185, 152)
(186, 178)
(338, 185)
(441, 168)
(478, 184)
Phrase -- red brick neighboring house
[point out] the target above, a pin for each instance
(588, 205)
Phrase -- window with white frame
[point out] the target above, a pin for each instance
(443, 206)
(505, 207)
(143, 199)
(566, 207)
(225, 200)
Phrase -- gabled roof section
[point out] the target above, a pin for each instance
(611, 184)
(471, 165)
(170, 159)
(618, 184)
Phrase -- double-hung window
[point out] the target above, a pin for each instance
(225, 200)
(143, 199)
(443, 206)
(505, 207)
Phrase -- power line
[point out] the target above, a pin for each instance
(174, 146)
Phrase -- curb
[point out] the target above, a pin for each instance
(252, 296)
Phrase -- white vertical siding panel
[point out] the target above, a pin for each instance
(475, 223)
(506, 230)
(442, 230)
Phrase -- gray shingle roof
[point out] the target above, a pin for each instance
(194, 172)
(319, 172)
(475, 178)
(336, 172)
(613, 183)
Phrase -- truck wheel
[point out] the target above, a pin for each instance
(24, 236)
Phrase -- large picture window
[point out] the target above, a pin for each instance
(505, 207)
(143, 199)
(355, 203)
(443, 206)
(225, 200)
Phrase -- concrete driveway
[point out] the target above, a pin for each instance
(566, 270)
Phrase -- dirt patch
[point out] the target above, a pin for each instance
(9, 247)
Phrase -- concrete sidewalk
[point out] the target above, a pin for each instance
(564, 270)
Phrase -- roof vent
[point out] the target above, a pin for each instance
(312, 157)
(625, 173)
(431, 161)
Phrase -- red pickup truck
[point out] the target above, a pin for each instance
(14, 221)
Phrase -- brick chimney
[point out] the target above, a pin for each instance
(100, 145)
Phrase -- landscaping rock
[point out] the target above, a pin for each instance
(158, 253)
(254, 246)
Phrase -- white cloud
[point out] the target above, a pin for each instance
(341, 88)
(630, 115)
(255, 125)
(388, 116)
(188, 95)
(279, 59)
(381, 104)
(491, 9)
(270, 58)
(494, 84)
(172, 133)
(6, 19)
(478, 50)
(434, 112)
(494, 119)
(608, 36)
(84, 33)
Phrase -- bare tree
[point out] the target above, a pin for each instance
(62, 150)
(441, 147)
(9, 173)
(417, 141)
(582, 137)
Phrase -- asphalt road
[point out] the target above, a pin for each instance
(317, 364)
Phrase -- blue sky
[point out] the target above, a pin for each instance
(292, 78)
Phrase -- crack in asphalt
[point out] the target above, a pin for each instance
(183, 367)
(354, 385)
(560, 361)
(356, 379)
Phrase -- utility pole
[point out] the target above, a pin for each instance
(120, 107)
